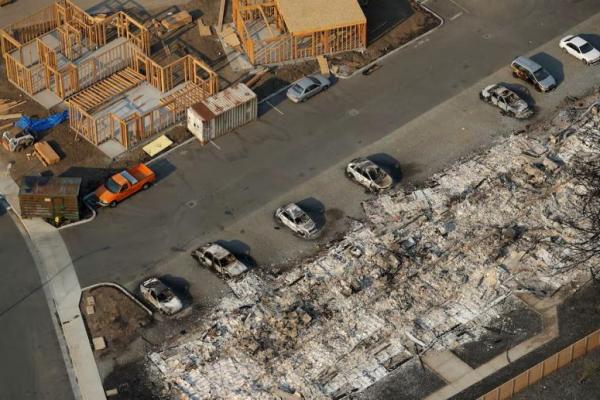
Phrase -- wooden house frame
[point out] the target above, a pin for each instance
(296, 30)
(31, 64)
(116, 61)
(187, 79)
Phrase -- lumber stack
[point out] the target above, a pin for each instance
(177, 20)
(45, 153)
(230, 37)
(6, 105)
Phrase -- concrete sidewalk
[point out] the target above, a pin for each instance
(58, 274)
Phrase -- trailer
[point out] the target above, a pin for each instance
(222, 112)
(48, 197)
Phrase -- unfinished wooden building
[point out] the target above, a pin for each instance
(101, 67)
(277, 31)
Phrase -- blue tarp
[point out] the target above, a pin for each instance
(43, 124)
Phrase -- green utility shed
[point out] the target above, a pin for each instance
(50, 197)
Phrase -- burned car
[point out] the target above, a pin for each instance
(297, 220)
(160, 296)
(215, 256)
(368, 174)
(509, 102)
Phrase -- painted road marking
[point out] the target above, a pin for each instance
(421, 42)
(216, 145)
(456, 16)
(459, 6)
(275, 108)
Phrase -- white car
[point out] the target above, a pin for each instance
(580, 48)
(297, 220)
(215, 256)
(368, 174)
(160, 296)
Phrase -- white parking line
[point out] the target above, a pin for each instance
(459, 6)
(452, 18)
(216, 145)
(275, 108)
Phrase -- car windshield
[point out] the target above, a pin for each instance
(112, 186)
(298, 89)
(586, 48)
(315, 80)
(541, 74)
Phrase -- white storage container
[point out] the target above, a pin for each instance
(222, 112)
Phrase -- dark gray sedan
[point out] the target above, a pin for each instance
(304, 88)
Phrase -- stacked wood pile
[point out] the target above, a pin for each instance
(45, 153)
(6, 105)
(177, 20)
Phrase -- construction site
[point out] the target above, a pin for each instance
(272, 32)
(117, 96)
(426, 270)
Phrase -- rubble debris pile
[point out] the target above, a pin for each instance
(428, 269)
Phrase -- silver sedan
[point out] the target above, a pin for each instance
(305, 88)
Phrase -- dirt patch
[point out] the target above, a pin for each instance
(71, 149)
(402, 32)
(280, 77)
(116, 318)
(132, 383)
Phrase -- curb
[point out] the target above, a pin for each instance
(120, 288)
(397, 49)
(269, 97)
(83, 221)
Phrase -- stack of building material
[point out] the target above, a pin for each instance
(230, 37)
(177, 20)
(203, 30)
(45, 153)
(5, 106)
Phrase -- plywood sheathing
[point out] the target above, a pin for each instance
(308, 16)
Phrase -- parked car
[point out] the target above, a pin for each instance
(528, 70)
(297, 220)
(509, 102)
(368, 174)
(215, 256)
(160, 296)
(580, 48)
(305, 88)
(123, 185)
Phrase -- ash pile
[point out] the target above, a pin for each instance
(427, 269)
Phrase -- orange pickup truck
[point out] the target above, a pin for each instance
(124, 184)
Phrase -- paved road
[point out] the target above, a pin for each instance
(32, 365)
(228, 190)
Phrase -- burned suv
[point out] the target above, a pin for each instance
(530, 71)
